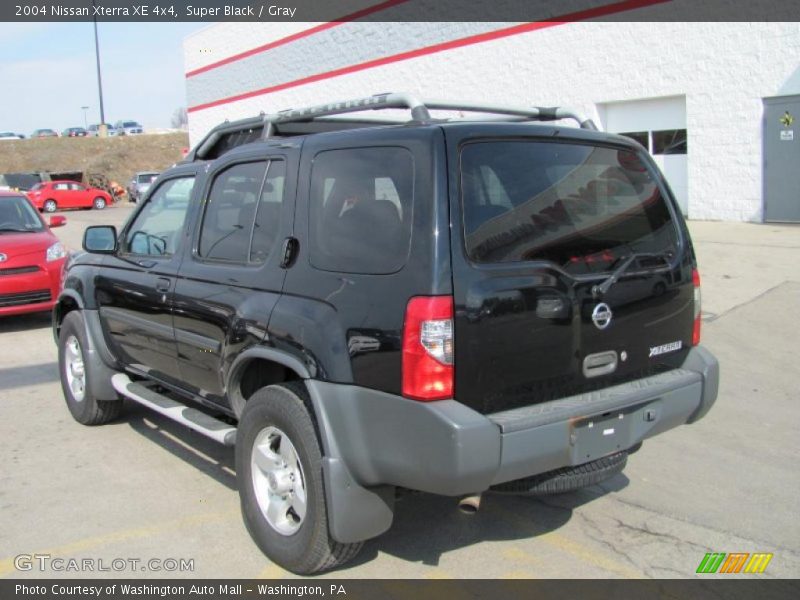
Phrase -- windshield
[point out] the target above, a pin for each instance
(17, 214)
(147, 177)
(130, 124)
(582, 207)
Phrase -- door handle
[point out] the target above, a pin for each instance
(289, 252)
(162, 284)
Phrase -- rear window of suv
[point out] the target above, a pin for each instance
(579, 206)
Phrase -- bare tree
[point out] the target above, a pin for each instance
(180, 119)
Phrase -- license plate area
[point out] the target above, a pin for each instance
(600, 435)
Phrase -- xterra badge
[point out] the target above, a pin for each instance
(671, 347)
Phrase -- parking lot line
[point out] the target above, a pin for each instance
(272, 571)
(578, 550)
(518, 575)
(436, 573)
(7, 564)
(588, 555)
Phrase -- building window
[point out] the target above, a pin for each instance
(669, 141)
(638, 136)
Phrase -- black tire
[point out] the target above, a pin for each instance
(567, 479)
(99, 203)
(310, 549)
(49, 206)
(85, 408)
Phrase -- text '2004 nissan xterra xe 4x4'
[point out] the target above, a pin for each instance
(359, 306)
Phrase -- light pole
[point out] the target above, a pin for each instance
(102, 130)
(85, 121)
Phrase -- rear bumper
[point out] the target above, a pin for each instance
(447, 448)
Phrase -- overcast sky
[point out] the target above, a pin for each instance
(48, 72)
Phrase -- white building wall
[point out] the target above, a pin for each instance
(723, 69)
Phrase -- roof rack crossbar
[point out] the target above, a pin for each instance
(537, 113)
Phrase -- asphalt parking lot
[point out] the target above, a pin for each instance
(146, 488)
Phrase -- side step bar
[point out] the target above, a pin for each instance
(190, 417)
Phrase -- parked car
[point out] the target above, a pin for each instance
(128, 128)
(425, 304)
(139, 184)
(31, 257)
(74, 132)
(10, 135)
(43, 133)
(94, 130)
(51, 195)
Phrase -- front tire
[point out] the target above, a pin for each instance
(75, 375)
(279, 474)
(50, 206)
(99, 203)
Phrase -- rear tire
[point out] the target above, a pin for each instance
(99, 203)
(49, 206)
(279, 475)
(76, 373)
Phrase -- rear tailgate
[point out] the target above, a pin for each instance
(539, 223)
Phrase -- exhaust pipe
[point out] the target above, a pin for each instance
(469, 505)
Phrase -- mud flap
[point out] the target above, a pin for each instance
(355, 513)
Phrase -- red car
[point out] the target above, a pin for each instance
(50, 195)
(31, 257)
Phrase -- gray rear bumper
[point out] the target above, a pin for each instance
(444, 447)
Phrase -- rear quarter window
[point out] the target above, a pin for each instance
(360, 209)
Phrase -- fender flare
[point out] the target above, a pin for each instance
(57, 315)
(258, 352)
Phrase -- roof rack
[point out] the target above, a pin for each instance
(265, 126)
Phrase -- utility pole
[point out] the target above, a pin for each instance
(85, 120)
(103, 130)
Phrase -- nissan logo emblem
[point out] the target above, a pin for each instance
(601, 315)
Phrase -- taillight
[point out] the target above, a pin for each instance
(696, 328)
(428, 348)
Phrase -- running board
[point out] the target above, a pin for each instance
(190, 417)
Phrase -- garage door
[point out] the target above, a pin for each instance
(659, 124)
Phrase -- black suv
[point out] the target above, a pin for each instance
(360, 306)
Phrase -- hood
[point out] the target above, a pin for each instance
(15, 245)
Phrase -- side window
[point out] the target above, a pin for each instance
(230, 212)
(360, 209)
(157, 228)
(268, 215)
(61, 186)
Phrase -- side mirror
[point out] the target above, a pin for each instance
(100, 239)
(57, 221)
